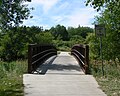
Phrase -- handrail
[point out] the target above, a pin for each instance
(81, 53)
(78, 53)
(41, 57)
(38, 53)
(42, 52)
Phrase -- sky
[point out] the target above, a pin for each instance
(69, 13)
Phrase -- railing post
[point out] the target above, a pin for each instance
(87, 59)
(30, 58)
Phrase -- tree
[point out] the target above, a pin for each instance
(83, 31)
(59, 32)
(71, 31)
(14, 44)
(80, 31)
(111, 8)
(44, 38)
(12, 13)
(13, 40)
(94, 45)
(98, 4)
(110, 15)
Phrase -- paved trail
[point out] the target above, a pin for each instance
(61, 76)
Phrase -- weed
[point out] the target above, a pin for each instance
(11, 83)
(110, 82)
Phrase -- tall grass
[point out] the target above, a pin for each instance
(11, 83)
(110, 82)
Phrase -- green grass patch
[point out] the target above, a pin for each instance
(110, 82)
(11, 78)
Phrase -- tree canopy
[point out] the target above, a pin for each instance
(12, 13)
(110, 17)
(59, 32)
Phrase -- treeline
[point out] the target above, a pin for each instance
(14, 42)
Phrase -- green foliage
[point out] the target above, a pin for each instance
(11, 81)
(14, 43)
(67, 45)
(65, 39)
(12, 13)
(76, 37)
(59, 31)
(94, 45)
(44, 37)
(62, 45)
(110, 83)
(98, 4)
(80, 31)
(110, 18)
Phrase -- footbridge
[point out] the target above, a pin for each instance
(52, 73)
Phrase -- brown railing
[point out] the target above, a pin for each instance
(81, 53)
(37, 54)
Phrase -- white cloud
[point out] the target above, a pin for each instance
(46, 4)
(36, 20)
(65, 13)
(35, 23)
(64, 6)
(57, 19)
(81, 17)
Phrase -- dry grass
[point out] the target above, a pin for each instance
(110, 82)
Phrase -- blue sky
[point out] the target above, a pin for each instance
(48, 13)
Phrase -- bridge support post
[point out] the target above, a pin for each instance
(87, 71)
(30, 58)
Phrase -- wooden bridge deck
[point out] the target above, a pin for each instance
(60, 76)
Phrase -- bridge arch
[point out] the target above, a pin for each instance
(38, 53)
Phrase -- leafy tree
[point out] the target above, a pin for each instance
(94, 45)
(59, 32)
(12, 13)
(83, 31)
(13, 41)
(32, 32)
(98, 4)
(44, 38)
(76, 39)
(80, 31)
(71, 31)
(14, 44)
(110, 15)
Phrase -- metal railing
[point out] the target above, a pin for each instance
(38, 53)
(81, 53)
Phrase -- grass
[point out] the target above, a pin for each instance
(11, 83)
(64, 48)
(110, 82)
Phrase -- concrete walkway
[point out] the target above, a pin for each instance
(60, 76)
